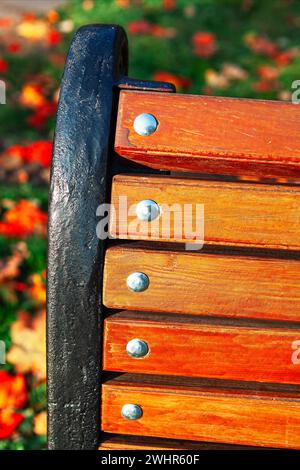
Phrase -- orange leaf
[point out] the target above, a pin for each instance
(28, 351)
(40, 424)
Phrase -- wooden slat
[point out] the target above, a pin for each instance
(140, 443)
(234, 213)
(120, 442)
(205, 414)
(211, 134)
(183, 347)
(204, 284)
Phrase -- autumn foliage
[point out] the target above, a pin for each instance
(13, 397)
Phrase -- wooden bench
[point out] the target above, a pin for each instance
(158, 338)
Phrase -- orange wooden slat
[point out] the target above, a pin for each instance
(140, 443)
(238, 214)
(176, 411)
(199, 348)
(121, 442)
(211, 134)
(203, 283)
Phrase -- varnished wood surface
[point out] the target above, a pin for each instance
(203, 414)
(211, 134)
(202, 348)
(120, 442)
(234, 213)
(203, 283)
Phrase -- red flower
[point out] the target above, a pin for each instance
(32, 96)
(179, 82)
(285, 58)
(39, 152)
(169, 4)
(5, 22)
(20, 286)
(36, 120)
(144, 27)
(123, 3)
(161, 32)
(3, 66)
(263, 86)
(52, 16)
(9, 421)
(42, 114)
(268, 79)
(23, 220)
(267, 72)
(140, 27)
(13, 392)
(262, 45)
(14, 47)
(204, 44)
(36, 152)
(54, 37)
(16, 151)
(29, 17)
(13, 395)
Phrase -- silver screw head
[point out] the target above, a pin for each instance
(138, 282)
(137, 348)
(145, 124)
(131, 412)
(147, 210)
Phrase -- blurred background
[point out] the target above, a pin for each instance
(242, 48)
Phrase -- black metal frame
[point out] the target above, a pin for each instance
(83, 163)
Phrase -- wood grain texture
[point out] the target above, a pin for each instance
(204, 284)
(120, 442)
(140, 443)
(203, 414)
(202, 348)
(211, 134)
(234, 213)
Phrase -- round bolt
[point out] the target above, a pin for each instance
(137, 348)
(138, 282)
(131, 412)
(145, 124)
(147, 210)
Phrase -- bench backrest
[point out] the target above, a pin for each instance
(194, 289)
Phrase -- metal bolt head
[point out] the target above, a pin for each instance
(138, 282)
(131, 412)
(145, 124)
(147, 210)
(137, 348)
